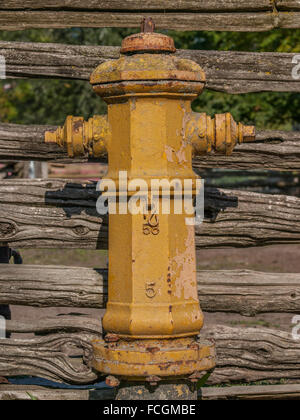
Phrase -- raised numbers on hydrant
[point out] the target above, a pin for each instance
(153, 318)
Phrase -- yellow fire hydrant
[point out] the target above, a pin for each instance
(153, 318)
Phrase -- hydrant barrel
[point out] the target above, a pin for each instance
(153, 307)
(152, 283)
(153, 319)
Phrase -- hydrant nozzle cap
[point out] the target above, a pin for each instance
(148, 41)
(50, 137)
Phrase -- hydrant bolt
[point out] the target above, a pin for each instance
(153, 380)
(112, 381)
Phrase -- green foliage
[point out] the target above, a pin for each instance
(32, 397)
(269, 110)
(43, 101)
(203, 380)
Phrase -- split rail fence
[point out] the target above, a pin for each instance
(51, 213)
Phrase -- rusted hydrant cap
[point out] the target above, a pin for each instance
(148, 41)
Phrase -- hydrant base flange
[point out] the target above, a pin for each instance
(140, 359)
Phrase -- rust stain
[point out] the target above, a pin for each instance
(179, 389)
(112, 381)
(153, 349)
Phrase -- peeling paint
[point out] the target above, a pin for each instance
(169, 153)
(180, 154)
(185, 272)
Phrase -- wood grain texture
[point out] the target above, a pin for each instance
(244, 292)
(25, 393)
(49, 357)
(256, 392)
(289, 19)
(29, 392)
(168, 5)
(181, 21)
(53, 286)
(252, 72)
(61, 324)
(60, 213)
(247, 292)
(254, 354)
(26, 142)
(288, 4)
(243, 354)
(185, 15)
(278, 150)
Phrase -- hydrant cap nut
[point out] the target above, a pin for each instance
(148, 41)
(248, 133)
(50, 137)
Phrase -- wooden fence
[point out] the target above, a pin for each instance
(53, 213)
(252, 72)
(260, 181)
(219, 15)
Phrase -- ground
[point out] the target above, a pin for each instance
(283, 259)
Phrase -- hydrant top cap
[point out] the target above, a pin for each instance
(144, 67)
(147, 40)
(147, 67)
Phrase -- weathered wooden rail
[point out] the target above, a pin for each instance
(234, 291)
(278, 150)
(60, 213)
(252, 72)
(210, 15)
(133, 5)
(250, 354)
(271, 392)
